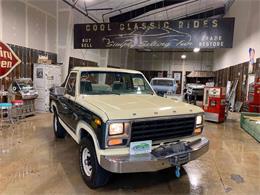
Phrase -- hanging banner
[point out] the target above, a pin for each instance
(205, 33)
(8, 60)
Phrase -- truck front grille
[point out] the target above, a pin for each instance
(162, 129)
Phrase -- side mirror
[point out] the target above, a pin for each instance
(68, 91)
(59, 91)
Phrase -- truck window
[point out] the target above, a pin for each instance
(100, 83)
(71, 84)
(138, 83)
(154, 82)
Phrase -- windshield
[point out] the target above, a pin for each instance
(100, 83)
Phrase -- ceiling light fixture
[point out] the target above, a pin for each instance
(196, 50)
(183, 56)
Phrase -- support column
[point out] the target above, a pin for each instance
(104, 54)
(183, 75)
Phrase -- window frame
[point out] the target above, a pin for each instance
(75, 91)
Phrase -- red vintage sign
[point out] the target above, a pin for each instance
(8, 60)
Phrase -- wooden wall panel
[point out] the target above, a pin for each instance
(222, 77)
(244, 78)
(238, 72)
(151, 74)
(257, 68)
(110, 66)
(73, 62)
(28, 57)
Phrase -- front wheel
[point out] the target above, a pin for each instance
(93, 174)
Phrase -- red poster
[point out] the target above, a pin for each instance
(8, 60)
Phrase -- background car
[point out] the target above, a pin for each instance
(164, 85)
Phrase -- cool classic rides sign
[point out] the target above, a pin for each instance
(207, 33)
(8, 60)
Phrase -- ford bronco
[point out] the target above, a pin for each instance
(122, 126)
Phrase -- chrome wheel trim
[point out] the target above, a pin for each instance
(86, 156)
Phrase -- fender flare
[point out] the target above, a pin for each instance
(54, 105)
(83, 126)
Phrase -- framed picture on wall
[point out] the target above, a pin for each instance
(177, 76)
(251, 60)
(39, 73)
(160, 74)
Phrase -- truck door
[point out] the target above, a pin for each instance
(67, 102)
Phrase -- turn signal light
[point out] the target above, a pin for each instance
(114, 142)
(97, 121)
(197, 131)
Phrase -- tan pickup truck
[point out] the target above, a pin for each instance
(122, 126)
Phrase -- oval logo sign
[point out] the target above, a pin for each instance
(8, 60)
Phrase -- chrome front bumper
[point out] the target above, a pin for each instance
(150, 163)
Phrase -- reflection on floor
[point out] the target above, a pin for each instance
(33, 162)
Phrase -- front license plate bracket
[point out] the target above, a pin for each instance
(169, 150)
(180, 159)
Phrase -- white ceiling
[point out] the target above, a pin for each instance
(180, 10)
(121, 6)
(169, 12)
(118, 6)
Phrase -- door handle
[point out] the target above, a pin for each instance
(75, 116)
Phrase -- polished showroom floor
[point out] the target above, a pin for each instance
(33, 162)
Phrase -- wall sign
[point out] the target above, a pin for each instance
(8, 60)
(207, 33)
(251, 60)
(177, 76)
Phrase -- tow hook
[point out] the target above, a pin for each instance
(177, 171)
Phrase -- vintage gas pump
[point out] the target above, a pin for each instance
(214, 103)
(254, 105)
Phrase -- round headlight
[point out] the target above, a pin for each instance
(116, 128)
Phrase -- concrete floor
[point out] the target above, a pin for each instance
(33, 162)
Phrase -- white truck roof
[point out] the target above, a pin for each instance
(105, 69)
(162, 78)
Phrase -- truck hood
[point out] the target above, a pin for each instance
(138, 106)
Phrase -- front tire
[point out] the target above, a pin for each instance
(92, 173)
(58, 129)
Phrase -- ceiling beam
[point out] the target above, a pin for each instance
(73, 6)
(140, 11)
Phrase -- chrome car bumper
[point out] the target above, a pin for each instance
(150, 163)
